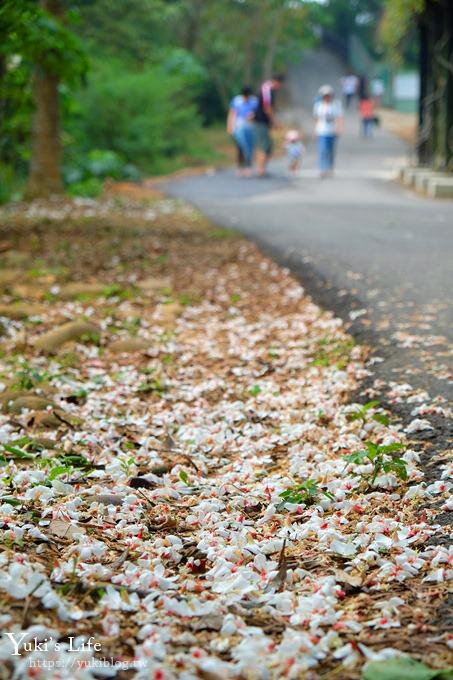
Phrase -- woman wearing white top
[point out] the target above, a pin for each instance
(329, 124)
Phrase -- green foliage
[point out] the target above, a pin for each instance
(28, 378)
(32, 40)
(363, 413)
(398, 20)
(159, 70)
(74, 460)
(144, 117)
(41, 39)
(86, 174)
(126, 464)
(381, 458)
(307, 492)
(117, 291)
(16, 450)
(58, 471)
(104, 164)
(153, 385)
(15, 111)
(86, 188)
(133, 31)
(184, 477)
(332, 351)
(404, 668)
(8, 184)
(230, 41)
(343, 17)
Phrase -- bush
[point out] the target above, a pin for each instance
(86, 188)
(11, 184)
(104, 164)
(85, 177)
(144, 117)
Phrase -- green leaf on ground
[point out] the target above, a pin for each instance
(10, 501)
(403, 668)
(17, 453)
(74, 460)
(184, 477)
(307, 492)
(382, 419)
(57, 471)
(358, 457)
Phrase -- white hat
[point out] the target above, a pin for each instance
(292, 136)
(325, 90)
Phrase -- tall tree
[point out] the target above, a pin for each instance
(45, 176)
(246, 40)
(134, 31)
(35, 34)
(434, 20)
(235, 41)
(341, 18)
(435, 142)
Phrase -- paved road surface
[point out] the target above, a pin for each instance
(358, 241)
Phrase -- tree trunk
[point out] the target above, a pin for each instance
(423, 150)
(435, 143)
(45, 178)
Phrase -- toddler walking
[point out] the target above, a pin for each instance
(295, 150)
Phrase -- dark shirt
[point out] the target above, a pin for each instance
(266, 98)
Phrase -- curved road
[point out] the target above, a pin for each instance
(375, 253)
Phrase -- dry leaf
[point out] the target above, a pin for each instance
(350, 580)
(63, 529)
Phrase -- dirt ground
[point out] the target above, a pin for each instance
(403, 125)
(184, 471)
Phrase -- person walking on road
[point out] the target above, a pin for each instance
(265, 120)
(240, 124)
(349, 83)
(328, 113)
(366, 110)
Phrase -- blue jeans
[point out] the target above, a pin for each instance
(245, 137)
(367, 127)
(326, 148)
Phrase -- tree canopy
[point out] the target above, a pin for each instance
(397, 24)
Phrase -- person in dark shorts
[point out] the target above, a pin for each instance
(265, 120)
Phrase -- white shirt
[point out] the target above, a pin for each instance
(326, 114)
(350, 84)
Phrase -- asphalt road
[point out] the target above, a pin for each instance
(375, 253)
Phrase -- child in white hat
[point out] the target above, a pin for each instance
(295, 150)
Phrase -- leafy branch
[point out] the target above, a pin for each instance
(380, 456)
